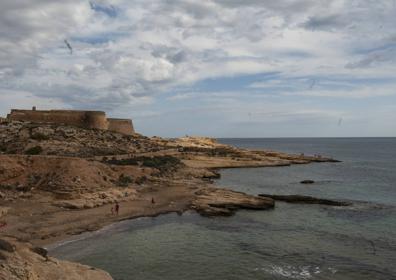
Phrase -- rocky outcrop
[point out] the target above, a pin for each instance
(22, 261)
(302, 199)
(92, 200)
(223, 202)
(61, 140)
(307, 182)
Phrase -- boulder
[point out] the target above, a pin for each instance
(5, 245)
(41, 251)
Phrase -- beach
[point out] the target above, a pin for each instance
(54, 195)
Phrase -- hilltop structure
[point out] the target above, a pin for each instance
(83, 119)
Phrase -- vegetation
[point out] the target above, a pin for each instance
(162, 163)
(124, 181)
(34, 151)
(39, 136)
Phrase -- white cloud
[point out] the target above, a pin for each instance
(127, 52)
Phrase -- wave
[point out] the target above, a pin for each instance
(295, 272)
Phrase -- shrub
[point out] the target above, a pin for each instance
(40, 136)
(124, 181)
(34, 151)
(162, 163)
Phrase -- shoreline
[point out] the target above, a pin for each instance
(51, 197)
(155, 212)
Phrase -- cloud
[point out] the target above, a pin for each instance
(384, 55)
(328, 22)
(128, 54)
(108, 10)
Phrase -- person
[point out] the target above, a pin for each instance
(117, 207)
(152, 200)
(112, 210)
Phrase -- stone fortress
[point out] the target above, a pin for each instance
(83, 119)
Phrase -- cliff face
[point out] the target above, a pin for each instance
(23, 261)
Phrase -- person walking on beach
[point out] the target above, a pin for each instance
(3, 224)
(117, 208)
(112, 210)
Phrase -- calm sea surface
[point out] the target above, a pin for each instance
(289, 242)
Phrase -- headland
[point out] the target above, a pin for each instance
(60, 178)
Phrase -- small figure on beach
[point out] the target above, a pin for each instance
(112, 210)
(117, 207)
(152, 200)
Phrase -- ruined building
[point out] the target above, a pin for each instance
(84, 119)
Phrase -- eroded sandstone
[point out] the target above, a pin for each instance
(224, 202)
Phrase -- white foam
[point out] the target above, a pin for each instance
(293, 272)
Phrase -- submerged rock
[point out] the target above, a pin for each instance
(223, 202)
(307, 182)
(303, 199)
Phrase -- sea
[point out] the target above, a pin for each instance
(292, 241)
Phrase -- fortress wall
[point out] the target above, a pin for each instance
(84, 119)
(124, 126)
(77, 118)
(95, 119)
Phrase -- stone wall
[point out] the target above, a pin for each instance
(84, 119)
(124, 126)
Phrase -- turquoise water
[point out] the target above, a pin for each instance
(289, 242)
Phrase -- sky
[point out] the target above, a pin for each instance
(220, 68)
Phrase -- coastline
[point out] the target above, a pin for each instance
(168, 176)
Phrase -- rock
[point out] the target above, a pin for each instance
(6, 246)
(41, 251)
(211, 174)
(71, 204)
(307, 182)
(3, 211)
(26, 262)
(306, 200)
(223, 202)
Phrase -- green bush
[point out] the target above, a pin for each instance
(40, 136)
(124, 181)
(34, 151)
(163, 163)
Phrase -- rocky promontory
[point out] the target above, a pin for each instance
(57, 181)
(21, 260)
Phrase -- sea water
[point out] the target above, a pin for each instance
(290, 242)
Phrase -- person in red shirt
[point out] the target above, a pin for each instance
(117, 207)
